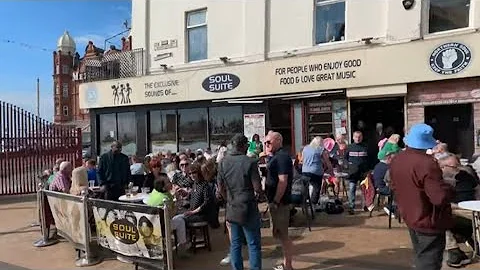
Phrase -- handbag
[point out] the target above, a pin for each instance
(265, 219)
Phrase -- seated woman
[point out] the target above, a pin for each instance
(155, 173)
(160, 193)
(202, 203)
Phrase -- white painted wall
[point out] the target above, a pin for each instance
(244, 30)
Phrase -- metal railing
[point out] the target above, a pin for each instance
(29, 145)
(115, 65)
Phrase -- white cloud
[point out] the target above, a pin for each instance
(82, 41)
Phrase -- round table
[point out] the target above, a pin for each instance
(134, 199)
(473, 206)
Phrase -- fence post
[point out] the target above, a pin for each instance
(168, 234)
(45, 229)
(89, 259)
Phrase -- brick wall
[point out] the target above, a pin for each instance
(415, 115)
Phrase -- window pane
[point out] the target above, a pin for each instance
(163, 131)
(448, 14)
(197, 43)
(224, 123)
(108, 131)
(127, 132)
(330, 23)
(192, 128)
(196, 17)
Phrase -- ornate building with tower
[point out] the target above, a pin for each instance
(69, 71)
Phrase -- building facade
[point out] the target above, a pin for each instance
(304, 68)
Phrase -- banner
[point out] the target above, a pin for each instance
(254, 124)
(128, 229)
(68, 213)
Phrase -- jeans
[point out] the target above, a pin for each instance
(461, 231)
(178, 224)
(316, 182)
(428, 250)
(352, 190)
(251, 231)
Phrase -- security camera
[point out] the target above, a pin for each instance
(408, 4)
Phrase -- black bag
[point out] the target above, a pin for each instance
(334, 208)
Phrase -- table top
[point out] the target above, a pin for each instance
(137, 198)
(470, 205)
(341, 174)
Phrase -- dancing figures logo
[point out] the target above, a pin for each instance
(121, 94)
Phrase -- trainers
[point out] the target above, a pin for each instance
(457, 258)
(388, 212)
(351, 211)
(225, 261)
(281, 267)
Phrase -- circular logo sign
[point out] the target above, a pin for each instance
(124, 231)
(91, 96)
(222, 82)
(450, 58)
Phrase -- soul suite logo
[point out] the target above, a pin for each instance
(450, 58)
(222, 82)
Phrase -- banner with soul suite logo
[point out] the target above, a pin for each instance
(131, 230)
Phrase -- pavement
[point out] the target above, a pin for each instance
(339, 242)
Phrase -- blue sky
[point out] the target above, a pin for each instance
(34, 27)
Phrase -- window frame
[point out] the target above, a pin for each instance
(426, 20)
(65, 69)
(317, 3)
(65, 109)
(187, 30)
(65, 90)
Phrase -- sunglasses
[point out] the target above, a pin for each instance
(183, 164)
(268, 142)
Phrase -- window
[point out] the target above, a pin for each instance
(65, 90)
(65, 110)
(121, 127)
(57, 89)
(127, 132)
(57, 110)
(57, 69)
(447, 15)
(224, 123)
(329, 21)
(108, 131)
(65, 69)
(192, 128)
(197, 35)
(163, 131)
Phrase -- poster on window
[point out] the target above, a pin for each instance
(69, 216)
(254, 124)
(128, 229)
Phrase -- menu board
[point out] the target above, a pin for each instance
(319, 119)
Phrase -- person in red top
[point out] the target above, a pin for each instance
(422, 196)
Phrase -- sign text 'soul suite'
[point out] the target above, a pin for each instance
(318, 72)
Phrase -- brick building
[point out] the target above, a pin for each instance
(69, 72)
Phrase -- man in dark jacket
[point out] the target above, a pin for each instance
(114, 172)
(238, 181)
(422, 196)
(357, 158)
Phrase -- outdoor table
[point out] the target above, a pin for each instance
(133, 198)
(473, 206)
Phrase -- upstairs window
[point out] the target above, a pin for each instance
(447, 15)
(329, 21)
(65, 110)
(65, 90)
(197, 35)
(65, 69)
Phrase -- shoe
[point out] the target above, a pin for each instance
(388, 212)
(457, 258)
(281, 267)
(351, 211)
(225, 261)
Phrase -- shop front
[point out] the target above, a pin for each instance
(301, 97)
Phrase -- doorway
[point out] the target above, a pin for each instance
(280, 120)
(453, 125)
(366, 113)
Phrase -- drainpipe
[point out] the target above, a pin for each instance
(147, 37)
(266, 32)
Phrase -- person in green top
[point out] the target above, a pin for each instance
(255, 146)
(161, 193)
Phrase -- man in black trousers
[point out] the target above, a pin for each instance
(114, 172)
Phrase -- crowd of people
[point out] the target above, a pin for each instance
(423, 178)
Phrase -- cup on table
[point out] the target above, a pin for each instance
(145, 190)
(128, 192)
(134, 190)
(91, 183)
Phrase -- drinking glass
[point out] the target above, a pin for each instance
(145, 190)
(91, 183)
(128, 192)
(134, 190)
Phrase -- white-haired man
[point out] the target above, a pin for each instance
(63, 179)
